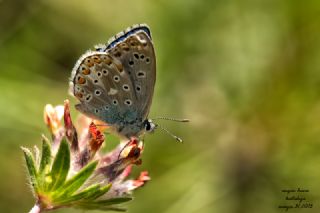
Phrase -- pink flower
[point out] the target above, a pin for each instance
(79, 169)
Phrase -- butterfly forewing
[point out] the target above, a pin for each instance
(137, 56)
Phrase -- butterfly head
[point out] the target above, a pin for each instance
(149, 126)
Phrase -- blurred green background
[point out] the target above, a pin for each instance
(245, 72)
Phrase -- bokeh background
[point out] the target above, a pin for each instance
(245, 72)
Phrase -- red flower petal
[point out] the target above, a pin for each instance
(70, 130)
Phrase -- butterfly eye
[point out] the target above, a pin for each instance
(148, 126)
(138, 88)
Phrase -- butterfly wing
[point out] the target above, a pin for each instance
(136, 52)
(116, 84)
(102, 87)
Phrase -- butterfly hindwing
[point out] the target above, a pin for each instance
(100, 85)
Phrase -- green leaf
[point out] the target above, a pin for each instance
(45, 155)
(103, 208)
(45, 164)
(89, 191)
(113, 208)
(100, 192)
(31, 168)
(77, 181)
(103, 204)
(113, 201)
(61, 165)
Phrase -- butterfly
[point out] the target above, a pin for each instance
(115, 82)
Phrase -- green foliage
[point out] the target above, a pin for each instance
(104, 204)
(33, 176)
(45, 157)
(60, 167)
(74, 183)
(53, 185)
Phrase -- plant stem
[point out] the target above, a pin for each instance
(35, 209)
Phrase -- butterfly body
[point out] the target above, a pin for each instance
(115, 82)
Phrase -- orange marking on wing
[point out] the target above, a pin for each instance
(124, 46)
(86, 71)
(107, 59)
(119, 66)
(89, 62)
(81, 80)
(79, 95)
(117, 54)
(96, 59)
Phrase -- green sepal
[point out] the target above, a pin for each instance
(31, 168)
(60, 167)
(113, 208)
(103, 208)
(100, 192)
(113, 201)
(45, 163)
(106, 205)
(76, 181)
(89, 191)
(84, 196)
(45, 155)
(103, 204)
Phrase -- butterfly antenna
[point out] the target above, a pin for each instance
(169, 133)
(171, 119)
